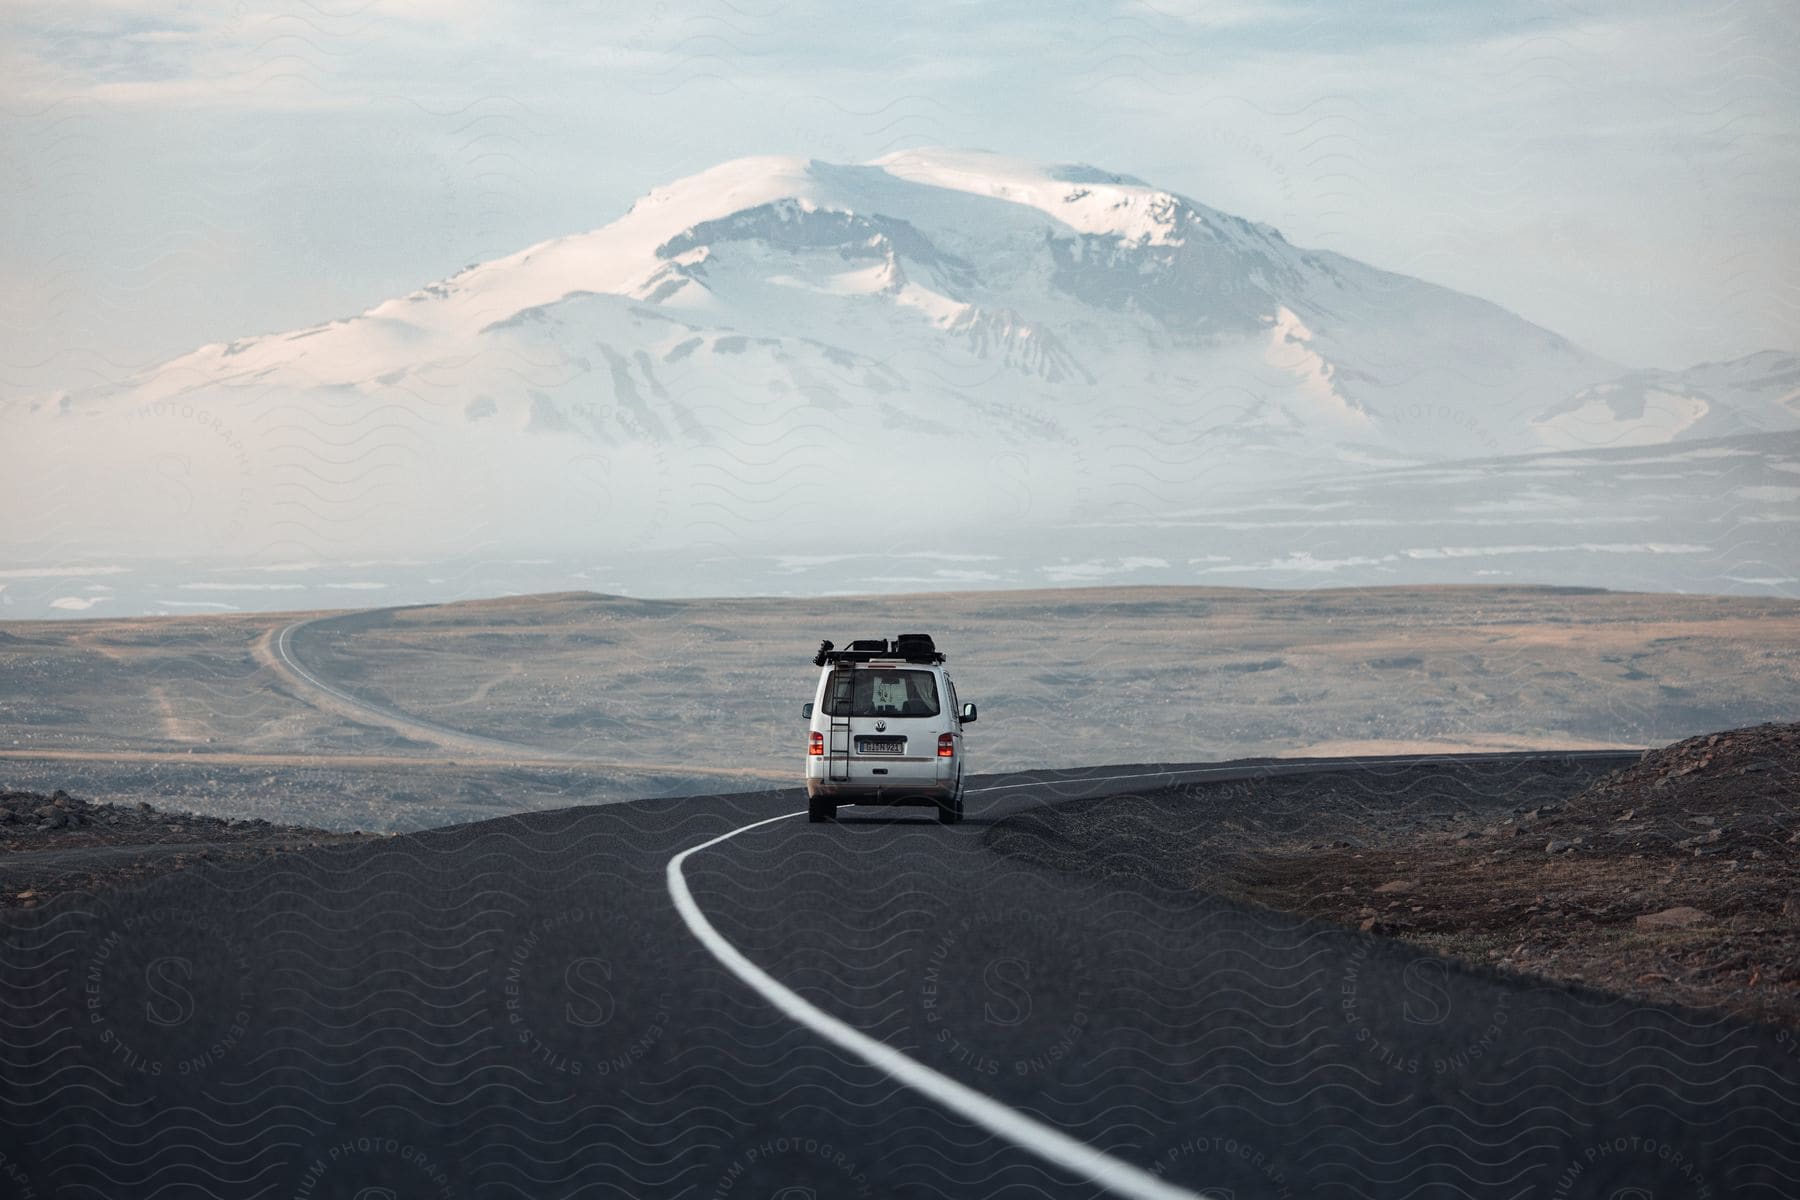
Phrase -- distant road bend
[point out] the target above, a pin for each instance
(277, 651)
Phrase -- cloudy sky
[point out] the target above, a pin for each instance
(184, 172)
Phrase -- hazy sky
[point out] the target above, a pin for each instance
(183, 172)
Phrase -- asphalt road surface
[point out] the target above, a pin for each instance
(711, 997)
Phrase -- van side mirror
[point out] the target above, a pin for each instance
(968, 714)
(806, 711)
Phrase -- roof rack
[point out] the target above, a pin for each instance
(908, 647)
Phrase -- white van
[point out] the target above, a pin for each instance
(886, 728)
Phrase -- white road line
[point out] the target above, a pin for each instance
(293, 664)
(1027, 1133)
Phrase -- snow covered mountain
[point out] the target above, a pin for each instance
(786, 351)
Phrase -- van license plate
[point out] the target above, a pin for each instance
(881, 745)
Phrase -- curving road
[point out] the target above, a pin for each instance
(710, 997)
(277, 652)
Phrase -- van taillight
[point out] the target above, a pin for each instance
(816, 745)
(946, 745)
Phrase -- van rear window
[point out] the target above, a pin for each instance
(865, 692)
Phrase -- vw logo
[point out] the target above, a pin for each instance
(881, 727)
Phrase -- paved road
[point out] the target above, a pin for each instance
(527, 1007)
(278, 652)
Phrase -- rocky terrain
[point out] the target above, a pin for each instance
(1675, 878)
(62, 843)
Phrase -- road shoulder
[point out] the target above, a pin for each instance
(1672, 879)
(57, 843)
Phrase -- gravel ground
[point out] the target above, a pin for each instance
(1181, 838)
(1675, 879)
(61, 843)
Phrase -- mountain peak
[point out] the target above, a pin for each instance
(1065, 199)
(770, 310)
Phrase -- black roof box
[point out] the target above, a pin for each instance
(912, 647)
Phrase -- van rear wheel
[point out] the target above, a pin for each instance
(950, 812)
(821, 808)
